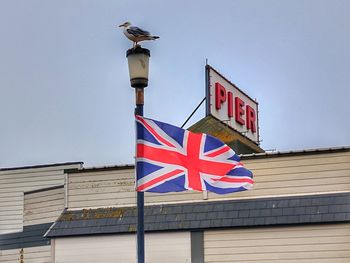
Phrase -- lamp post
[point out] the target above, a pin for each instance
(138, 60)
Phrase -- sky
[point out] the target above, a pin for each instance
(66, 95)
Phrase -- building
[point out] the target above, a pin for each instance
(17, 187)
(299, 211)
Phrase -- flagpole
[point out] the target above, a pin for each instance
(138, 60)
(140, 195)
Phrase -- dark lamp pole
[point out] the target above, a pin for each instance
(138, 60)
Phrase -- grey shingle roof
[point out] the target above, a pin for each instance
(31, 236)
(204, 215)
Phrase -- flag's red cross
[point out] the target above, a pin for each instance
(191, 161)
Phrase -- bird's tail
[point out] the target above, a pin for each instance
(154, 37)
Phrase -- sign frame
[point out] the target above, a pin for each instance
(208, 95)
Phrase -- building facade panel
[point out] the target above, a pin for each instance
(275, 175)
(37, 254)
(18, 180)
(281, 160)
(114, 188)
(308, 243)
(296, 175)
(9, 256)
(40, 254)
(160, 247)
(43, 206)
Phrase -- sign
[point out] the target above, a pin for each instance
(230, 105)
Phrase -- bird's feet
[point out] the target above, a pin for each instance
(135, 46)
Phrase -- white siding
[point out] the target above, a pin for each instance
(43, 207)
(37, 254)
(12, 185)
(113, 188)
(9, 256)
(160, 247)
(274, 176)
(297, 175)
(30, 255)
(295, 244)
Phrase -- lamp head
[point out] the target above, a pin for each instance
(138, 60)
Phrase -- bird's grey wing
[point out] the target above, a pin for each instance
(133, 30)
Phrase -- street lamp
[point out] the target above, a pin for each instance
(138, 60)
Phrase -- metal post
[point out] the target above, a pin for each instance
(139, 96)
(138, 60)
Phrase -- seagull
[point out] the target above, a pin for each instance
(136, 34)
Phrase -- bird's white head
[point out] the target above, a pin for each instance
(126, 24)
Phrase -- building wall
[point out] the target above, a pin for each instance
(159, 247)
(40, 254)
(113, 188)
(43, 206)
(297, 175)
(14, 182)
(9, 256)
(276, 175)
(288, 244)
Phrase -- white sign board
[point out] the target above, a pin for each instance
(230, 105)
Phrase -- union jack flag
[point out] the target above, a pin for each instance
(171, 159)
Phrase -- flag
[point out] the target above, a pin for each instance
(171, 159)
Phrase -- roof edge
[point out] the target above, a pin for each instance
(39, 166)
(295, 153)
(99, 169)
(44, 189)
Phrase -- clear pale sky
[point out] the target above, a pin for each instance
(65, 93)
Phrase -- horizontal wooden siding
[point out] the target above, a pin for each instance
(29, 255)
(12, 185)
(295, 244)
(274, 176)
(159, 247)
(43, 207)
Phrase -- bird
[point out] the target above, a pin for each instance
(136, 34)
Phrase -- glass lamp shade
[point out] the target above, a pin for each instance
(138, 60)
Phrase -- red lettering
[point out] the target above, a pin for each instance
(251, 118)
(230, 104)
(239, 111)
(220, 95)
(236, 108)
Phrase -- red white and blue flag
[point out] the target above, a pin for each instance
(171, 159)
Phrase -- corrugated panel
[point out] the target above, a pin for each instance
(14, 182)
(43, 207)
(113, 188)
(297, 175)
(274, 176)
(30, 255)
(106, 188)
(160, 247)
(9, 256)
(37, 254)
(297, 244)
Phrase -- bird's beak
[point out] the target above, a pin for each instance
(121, 25)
